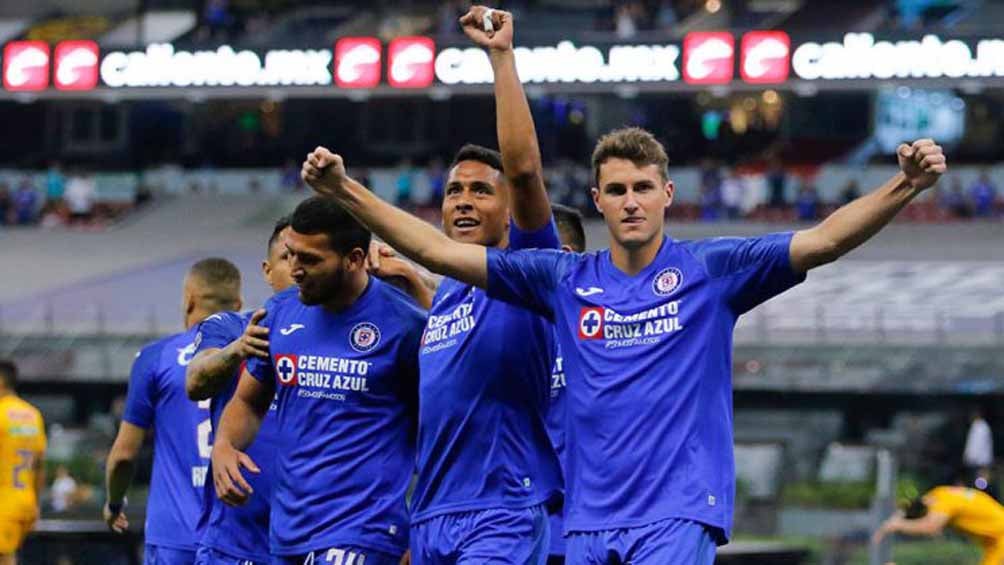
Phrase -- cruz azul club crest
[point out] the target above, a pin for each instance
(364, 337)
(667, 281)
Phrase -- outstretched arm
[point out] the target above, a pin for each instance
(531, 209)
(325, 173)
(930, 525)
(239, 425)
(921, 164)
(119, 470)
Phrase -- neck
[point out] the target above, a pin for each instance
(354, 288)
(631, 260)
(5, 392)
(195, 317)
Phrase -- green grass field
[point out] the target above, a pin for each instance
(942, 551)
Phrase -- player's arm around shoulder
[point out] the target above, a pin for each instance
(417, 239)
(921, 165)
(215, 364)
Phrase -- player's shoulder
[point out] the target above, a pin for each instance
(282, 298)
(398, 302)
(153, 350)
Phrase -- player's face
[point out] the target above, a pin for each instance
(276, 268)
(633, 201)
(319, 271)
(475, 209)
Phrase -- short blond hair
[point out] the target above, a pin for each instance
(634, 144)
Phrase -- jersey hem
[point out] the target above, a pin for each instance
(577, 527)
(240, 554)
(459, 507)
(170, 545)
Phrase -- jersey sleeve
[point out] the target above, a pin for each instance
(544, 238)
(257, 367)
(527, 277)
(141, 396)
(42, 441)
(218, 330)
(750, 270)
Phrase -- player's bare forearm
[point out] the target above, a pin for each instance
(517, 136)
(851, 225)
(211, 370)
(243, 415)
(121, 464)
(413, 237)
(921, 165)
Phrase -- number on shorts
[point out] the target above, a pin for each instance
(337, 556)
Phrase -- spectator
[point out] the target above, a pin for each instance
(80, 197)
(290, 180)
(405, 184)
(624, 22)
(955, 201)
(666, 16)
(776, 180)
(5, 204)
(217, 17)
(437, 181)
(25, 203)
(850, 193)
(64, 490)
(711, 203)
(982, 196)
(807, 203)
(733, 190)
(55, 184)
(978, 456)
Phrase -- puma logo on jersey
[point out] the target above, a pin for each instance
(588, 291)
(292, 328)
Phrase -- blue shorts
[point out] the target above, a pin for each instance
(159, 555)
(497, 536)
(209, 556)
(557, 545)
(666, 541)
(344, 555)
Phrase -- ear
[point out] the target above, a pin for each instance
(266, 270)
(670, 191)
(596, 198)
(356, 259)
(567, 248)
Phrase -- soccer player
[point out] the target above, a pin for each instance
(573, 239)
(645, 329)
(229, 535)
(971, 512)
(157, 402)
(22, 465)
(342, 372)
(486, 468)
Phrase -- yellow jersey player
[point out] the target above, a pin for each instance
(22, 450)
(969, 511)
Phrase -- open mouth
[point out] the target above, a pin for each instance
(465, 223)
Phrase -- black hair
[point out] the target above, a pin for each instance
(317, 215)
(916, 509)
(280, 224)
(8, 373)
(569, 222)
(479, 153)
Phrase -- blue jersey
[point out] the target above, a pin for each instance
(486, 368)
(556, 429)
(648, 360)
(181, 439)
(346, 387)
(238, 531)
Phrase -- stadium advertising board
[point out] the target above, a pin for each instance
(417, 63)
